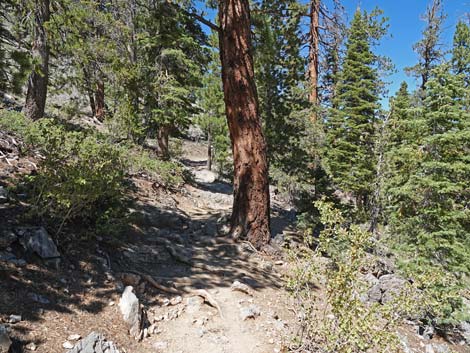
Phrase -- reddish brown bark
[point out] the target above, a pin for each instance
(99, 100)
(37, 82)
(250, 214)
(313, 54)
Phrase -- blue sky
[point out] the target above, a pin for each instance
(405, 29)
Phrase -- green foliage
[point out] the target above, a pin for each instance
(461, 51)
(427, 187)
(350, 128)
(212, 118)
(339, 320)
(79, 177)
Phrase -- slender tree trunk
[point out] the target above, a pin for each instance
(38, 79)
(209, 150)
(313, 55)
(162, 141)
(250, 214)
(99, 99)
(89, 90)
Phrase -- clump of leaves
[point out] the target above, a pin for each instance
(342, 321)
(79, 178)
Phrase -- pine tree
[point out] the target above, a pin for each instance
(429, 48)
(212, 118)
(349, 155)
(461, 51)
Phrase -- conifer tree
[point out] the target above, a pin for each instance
(349, 155)
(461, 51)
(429, 47)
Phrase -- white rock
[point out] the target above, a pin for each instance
(31, 346)
(67, 345)
(241, 287)
(74, 337)
(130, 309)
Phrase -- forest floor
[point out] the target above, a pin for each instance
(173, 237)
(177, 239)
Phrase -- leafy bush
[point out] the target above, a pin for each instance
(341, 321)
(79, 177)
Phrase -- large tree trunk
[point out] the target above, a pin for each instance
(250, 215)
(313, 55)
(38, 79)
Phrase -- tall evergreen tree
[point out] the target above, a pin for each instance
(429, 47)
(349, 155)
(461, 51)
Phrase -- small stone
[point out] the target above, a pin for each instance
(176, 300)
(67, 345)
(31, 346)
(250, 312)
(111, 303)
(38, 298)
(74, 337)
(166, 302)
(160, 346)
(241, 287)
(146, 332)
(13, 319)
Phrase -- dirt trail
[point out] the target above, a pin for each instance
(178, 240)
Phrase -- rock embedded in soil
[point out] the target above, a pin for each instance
(31, 346)
(37, 240)
(5, 341)
(130, 309)
(7, 237)
(241, 287)
(13, 319)
(3, 195)
(94, 343)
(250, 312)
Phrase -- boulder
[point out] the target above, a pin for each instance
(205, 176)
(5, 341)
(130, 309)
(94, 343)
(390, 285)
(7, 236)
(37, 240)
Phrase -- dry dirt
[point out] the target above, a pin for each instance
(176, 239)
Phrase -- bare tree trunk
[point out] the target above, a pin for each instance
(38, 79)
(162, 141)
(209, 150)
(313, 55)
(89, 90)
(250, 214)
(99, 99)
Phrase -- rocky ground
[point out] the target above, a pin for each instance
(171, 282)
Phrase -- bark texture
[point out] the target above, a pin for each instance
(250, 215)
(313, 54)
(38, 79)
(99, 100)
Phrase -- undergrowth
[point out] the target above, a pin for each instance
(81, 176)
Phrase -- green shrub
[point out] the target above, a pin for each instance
(339, 321)
(79, 177)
